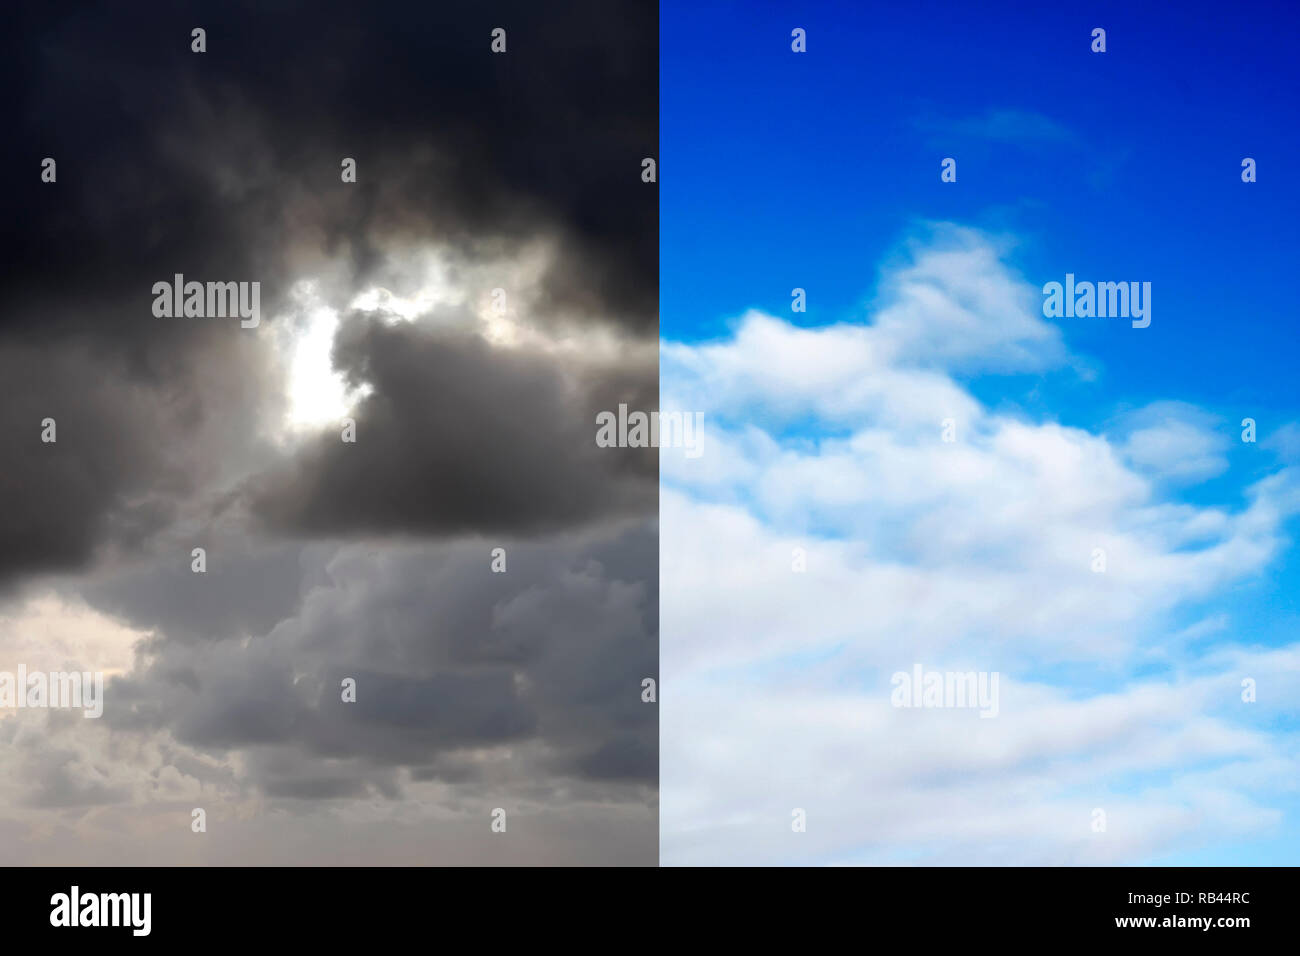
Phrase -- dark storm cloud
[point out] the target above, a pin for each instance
(247, 589)
(328, 560)
(220, 163)
(128, 450)
(56, 494)
(460, 436)
(445, 657)
(225, 166)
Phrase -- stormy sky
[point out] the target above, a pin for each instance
(484, 288)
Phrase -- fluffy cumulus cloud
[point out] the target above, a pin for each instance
(859, 511)
(484, 287)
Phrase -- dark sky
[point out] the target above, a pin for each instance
(329, 559)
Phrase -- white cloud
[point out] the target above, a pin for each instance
(1175, 441)
(971, 555)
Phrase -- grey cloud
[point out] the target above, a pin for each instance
(457, 436)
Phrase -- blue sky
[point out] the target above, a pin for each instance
(821, 170)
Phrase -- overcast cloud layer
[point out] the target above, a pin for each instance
(371, 560)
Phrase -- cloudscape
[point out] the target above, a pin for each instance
(989, 558)
(308, 313)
